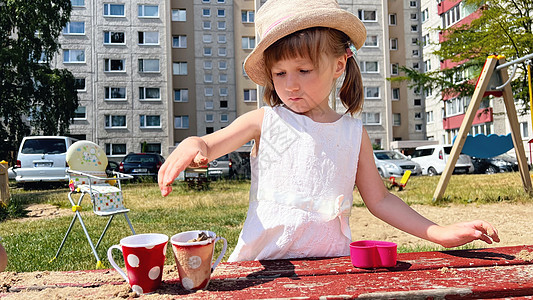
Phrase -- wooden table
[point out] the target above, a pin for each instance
(459, 274)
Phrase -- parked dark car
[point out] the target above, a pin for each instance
(231, 165)
(111, 166)
(491, 165)
(141, 164)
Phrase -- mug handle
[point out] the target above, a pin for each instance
(112, 261)
(221, 253)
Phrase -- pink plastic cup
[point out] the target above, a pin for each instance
(373, 254)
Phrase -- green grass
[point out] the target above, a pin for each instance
(31, 243)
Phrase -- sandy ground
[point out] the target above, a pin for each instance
(513, 222)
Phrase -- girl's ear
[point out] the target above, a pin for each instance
(340, 66)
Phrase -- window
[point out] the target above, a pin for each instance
(416, 65)
(73, 28)
(222, 65)
(394, 44)
(149, 93)
(367, 15)
(179, 15)
(250, 95)
(247, 16)
(415, 53)
(149, 65)
(413, 3)
(396, 119)
(413, 16)
(429, 117)
(209, 118)
(394, 69)
(223, 92)
(425, 15)
(221, 1)
(181, 122)
(208, 92)
(224, 118)
(371, 118)
(221, 38)
(114, 65)
(248, 42)
(73, 56)
(221, 25)
(77, 3)
(524, 129)
(454, 106)
(392, 19)
(209, 130)
(372, 92)
(223, 104)
(179, 41)
(208, 51)
(114, 10)
(79, 84)
(417, 102)
(206, 12)
(414, 27)
(208, 65)
(395, 94)
(222, 51)
(148, 38)
(179, 68)
(208, 77)
(418, 127)
(418, 115)
(151, 147)
(371, 41)
(427, 65)
(221, 13)
(207, 38)
(222, 77)
(370, 67)
(414, 41)
(115, 149)
(80, 113)
(114, 93)
(425, 40)
(111, 37)
(115, 121)
(181, 95)
(148, 11)
(150, 121)
(209, 105)
(206, 24)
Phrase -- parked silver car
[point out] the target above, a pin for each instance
(391, 163)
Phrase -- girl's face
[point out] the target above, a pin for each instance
(304, 88)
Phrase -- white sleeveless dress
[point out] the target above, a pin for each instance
(301, 191)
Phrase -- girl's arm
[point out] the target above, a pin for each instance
(196, 151)
(395, 212)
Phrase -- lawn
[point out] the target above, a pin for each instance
(31, 243)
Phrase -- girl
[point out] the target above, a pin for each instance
(307, 157)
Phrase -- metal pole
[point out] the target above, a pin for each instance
(521, 59)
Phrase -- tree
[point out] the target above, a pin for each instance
(34, 98)
(501, 27)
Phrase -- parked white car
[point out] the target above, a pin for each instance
(433, 160)
(393, 163)
(42, 158)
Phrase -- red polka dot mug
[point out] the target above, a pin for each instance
(144, 257)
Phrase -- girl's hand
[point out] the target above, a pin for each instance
(461, 233)
(189, 153)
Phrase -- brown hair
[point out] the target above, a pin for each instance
(311, 43)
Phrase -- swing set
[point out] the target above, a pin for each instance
(493, 80)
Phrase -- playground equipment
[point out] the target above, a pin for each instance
(493, 80)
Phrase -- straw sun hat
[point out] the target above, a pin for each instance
(279, 18)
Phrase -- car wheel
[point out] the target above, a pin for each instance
(432, 171)
(491, 170)
(381, 173)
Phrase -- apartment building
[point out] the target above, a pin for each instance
(117, 50)
(151, 73)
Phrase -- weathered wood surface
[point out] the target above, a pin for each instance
(460, 274)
